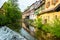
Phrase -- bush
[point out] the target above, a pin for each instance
(56, 28)
(53, 29)
(3, 20)
(13, 19)
(38, 23)
(12, 16)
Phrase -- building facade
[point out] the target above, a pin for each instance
(51, 11)
(31, 10)
(29, 13)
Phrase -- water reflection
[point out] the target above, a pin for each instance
(8, 34)
(26, 34)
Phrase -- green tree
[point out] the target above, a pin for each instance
(38, 23)
(13, 14)
(3, 21)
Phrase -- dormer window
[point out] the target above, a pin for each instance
(47, 4)
(54, 2)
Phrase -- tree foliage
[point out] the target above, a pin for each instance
(53, 29)
(12, 14)
(38, 23)
(2, 20)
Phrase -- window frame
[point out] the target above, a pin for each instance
(48, 4)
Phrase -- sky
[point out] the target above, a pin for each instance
(22, 3)
(2, 2)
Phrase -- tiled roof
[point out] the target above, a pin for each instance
(34, 5)
(49, 10)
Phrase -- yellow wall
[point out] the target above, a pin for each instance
(51, 5)
(50, 16)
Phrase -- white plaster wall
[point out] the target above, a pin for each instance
(32, 16)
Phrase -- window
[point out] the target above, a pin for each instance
(55, 16)
(45, 21)
(27, 17)
(48, 18)
(47, 4)
(54, 2)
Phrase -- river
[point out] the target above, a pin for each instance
(8, 34)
